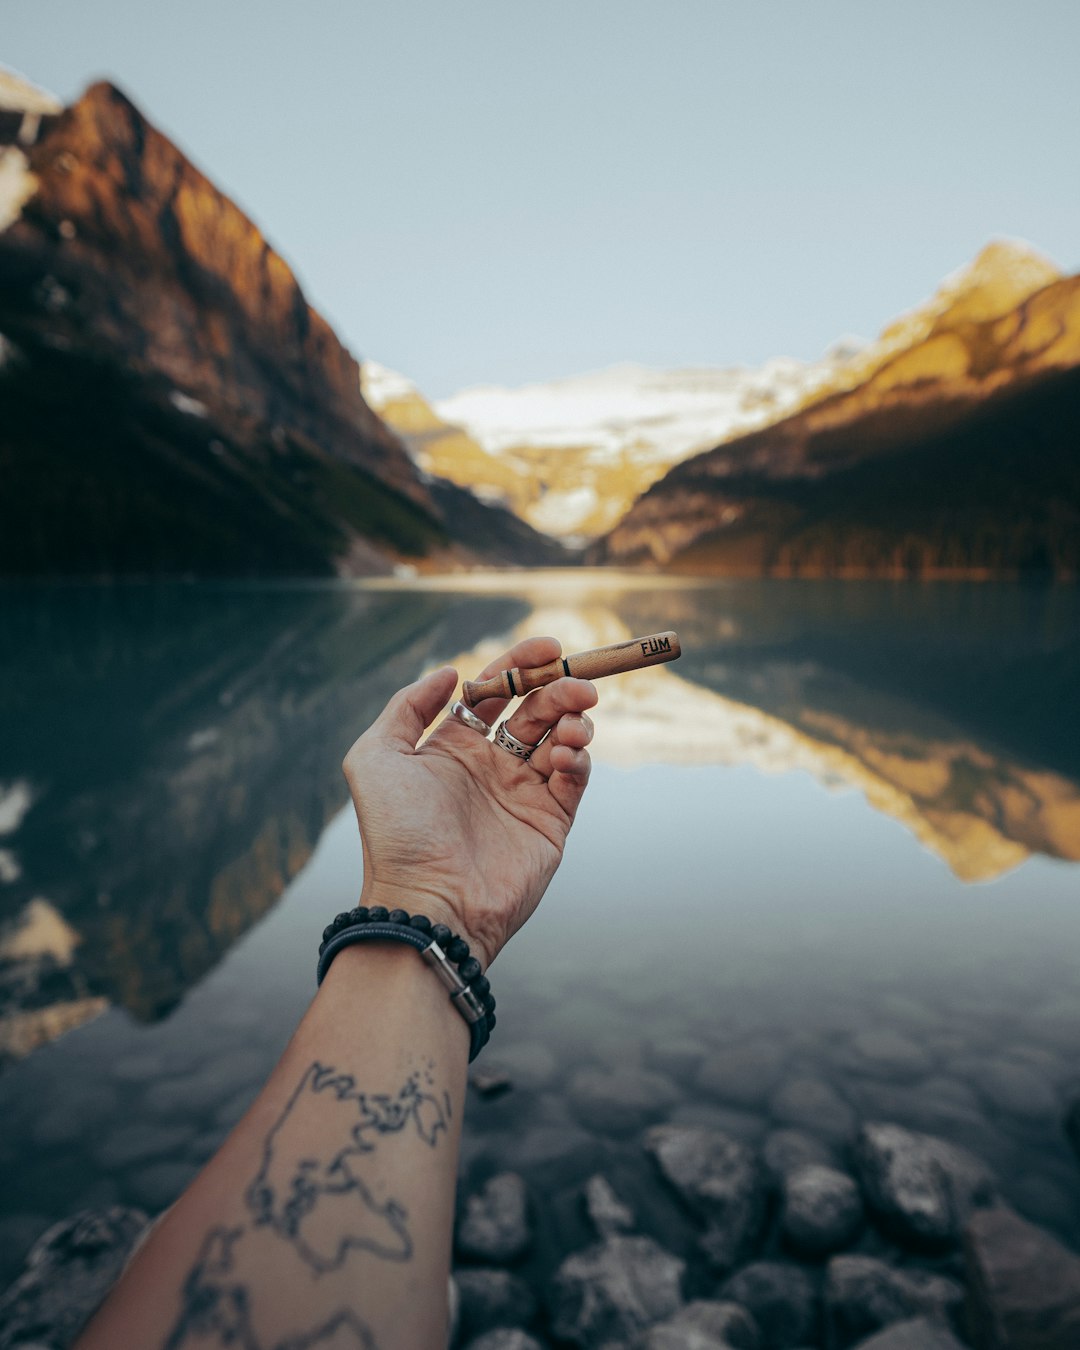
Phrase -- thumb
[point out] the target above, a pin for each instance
(412, 709)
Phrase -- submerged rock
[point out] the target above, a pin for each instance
(781, 1299)
(863, 1294)
(921, 1187)
(494, 1225)
(492, 1298)
(743, 1075)
(608, 1294)
(620, 1101)
(68, 1272)
(815, 1106)
(719, 1180)
(607, 1213)
(505, 1338)
(822, 1210)
(704, 1324)
(786, 1150)
(1023, 1285)
(917, 1333)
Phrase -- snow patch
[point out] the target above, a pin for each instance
(9, 867)
(652, 415)
(380, 385)
(40, 930)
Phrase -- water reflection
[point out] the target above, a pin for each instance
(170, 755)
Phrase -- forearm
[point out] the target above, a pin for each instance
(327, 1215)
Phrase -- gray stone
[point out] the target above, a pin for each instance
(492, 1298)
(719, 1180)
(742, 1125)
(822, 1210)
(1023, 1285)
(815, 1106)
(559, 1146)
(743, 1074)
(921, 1187)
(704, 1324)
(787, 1150)
(885, 1052)
(619, 1101)
(1018, 1089)
(494, 1224)
(917, 1333)
(505, 1338)
(863, 1294)
(781, 1299)
(606, 1295)
(68, 1120)
(68, 1272)
(607, 1213)
(531, 1064)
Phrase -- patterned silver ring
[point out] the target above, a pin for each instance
(470, 719)
(508, 741)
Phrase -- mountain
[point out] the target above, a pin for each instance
(949, 447)
(572, 455)
(171, 402)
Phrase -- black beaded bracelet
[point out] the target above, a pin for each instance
(470, 992)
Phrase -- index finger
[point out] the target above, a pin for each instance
(526, 654)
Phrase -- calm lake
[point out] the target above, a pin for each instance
(828, 869)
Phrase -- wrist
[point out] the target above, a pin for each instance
(419, 898)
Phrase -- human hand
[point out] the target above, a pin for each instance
(458, 828)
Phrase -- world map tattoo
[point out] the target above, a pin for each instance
(216, 1309)
(322, 1202)
(293, 1187)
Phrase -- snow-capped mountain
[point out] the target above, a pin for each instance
(571, 455)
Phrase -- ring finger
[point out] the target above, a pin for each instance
(539, 711)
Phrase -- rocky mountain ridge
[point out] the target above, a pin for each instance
(952, 453)
(172, 401)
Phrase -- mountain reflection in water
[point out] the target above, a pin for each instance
(170, 755)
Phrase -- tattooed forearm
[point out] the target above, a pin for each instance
(317, 1188)
(296, 1186)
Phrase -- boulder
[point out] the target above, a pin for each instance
(492, 1298)
(822, 1210)
(887, 1053)
(619, 1101)
(606, 1295)
(917, 1333)
(719, 1180)
(1023, 1285)
(494, 1224)
(704, 1324)
(863, 1294)
(922, 1188)
(69, 1270)
(780, 1297)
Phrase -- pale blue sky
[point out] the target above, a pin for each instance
(502, 192)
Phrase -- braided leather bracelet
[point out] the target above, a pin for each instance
(470, 992)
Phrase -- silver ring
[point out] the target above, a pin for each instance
(470, 719)
(508, 741)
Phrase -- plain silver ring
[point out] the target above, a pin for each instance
(468, 718)
(506, 740)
